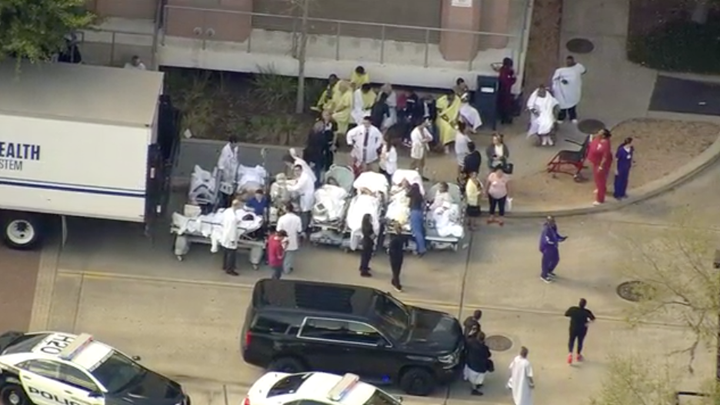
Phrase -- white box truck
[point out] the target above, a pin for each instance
(85, 141)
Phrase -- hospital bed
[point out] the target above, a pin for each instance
(444, 226)
(327, 223)
(193, 227)
(371, 194)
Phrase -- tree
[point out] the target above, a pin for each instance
(636, 380)
(35, 29)
(679, 283)
(300, 50)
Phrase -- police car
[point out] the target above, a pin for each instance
(316, 388)
(49, 368)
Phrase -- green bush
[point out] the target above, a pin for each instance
(678, 46)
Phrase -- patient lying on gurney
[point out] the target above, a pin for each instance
(445, 213)
(330, 201)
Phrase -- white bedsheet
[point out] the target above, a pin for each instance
(448, 221)
(399, 209)
(250, 178)
(329, 203)
(361, 205)
(411, 176)
(202, 187)
(374, 182)
(210, 226)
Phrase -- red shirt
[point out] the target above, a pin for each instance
(275, 251)
(600, 152)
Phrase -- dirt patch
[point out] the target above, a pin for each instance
(543, 43)
(661, 147)
(646, 15)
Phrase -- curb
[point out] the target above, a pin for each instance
(701, 162)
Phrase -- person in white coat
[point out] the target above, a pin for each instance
(388, 157)
(542, 106)
(304, 187)
(521, 379)
(567, 89)
(365, 140)
(229, 237)
(292, 225)
(293, 159)
(228, 163)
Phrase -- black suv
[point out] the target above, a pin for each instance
(295, 326)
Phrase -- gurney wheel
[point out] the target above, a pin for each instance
(180, 258)
(255, 267)
(554, 176)
(346, 250)
(455, 247)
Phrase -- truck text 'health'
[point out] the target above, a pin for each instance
(12, 155)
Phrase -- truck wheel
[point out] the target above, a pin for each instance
(22, 230)
(287, 365)
(13, 395)
(417, 381)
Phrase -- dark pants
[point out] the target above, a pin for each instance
(277, 272)
(550, 260)
(229, 259)
(396, 262)
(305, 220)
(368, 246)
(497, 204)
(224, 200)
(578, 335)
(387, 175)
(571, 112)
(318, 171)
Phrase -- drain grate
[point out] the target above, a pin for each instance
(590, 126)
(498, 343)
(580, 45)
(634, 291)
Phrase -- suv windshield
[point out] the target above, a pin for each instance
(288, 385)
(381, 398)
(25, 343)
(117, 372)
(394, 315)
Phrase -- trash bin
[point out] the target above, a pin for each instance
(485, 100)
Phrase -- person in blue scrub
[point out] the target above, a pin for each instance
(624, 158)
(549, 241)
(417, 218)
(259, 203)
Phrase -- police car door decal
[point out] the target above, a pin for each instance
(48, 391)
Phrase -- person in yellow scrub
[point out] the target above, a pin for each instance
(327, 96)
(363, 100)
(359, 77)
(342, 107)
(448, 110)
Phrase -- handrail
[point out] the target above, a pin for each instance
(331, 21)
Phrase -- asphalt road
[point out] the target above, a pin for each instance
(18, 274)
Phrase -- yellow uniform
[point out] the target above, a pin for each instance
(446, 121)
(326, 98)
(358, 80)
(342, 107)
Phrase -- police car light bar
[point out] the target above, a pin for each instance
(343, 387)
(76, 346)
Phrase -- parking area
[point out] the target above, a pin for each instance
(184, 318)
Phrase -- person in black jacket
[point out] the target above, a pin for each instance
(330, 131)
(407, 116)
(477, 363)
(396, 252)
(580, 318)
(314, 153)
(367, 245)
(379, 111)
(472, 323)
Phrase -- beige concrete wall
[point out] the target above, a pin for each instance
(495, 18)
(211, 25)
(134, 9)
(457, 46)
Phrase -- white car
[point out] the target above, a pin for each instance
(316, 388)
(51, 368)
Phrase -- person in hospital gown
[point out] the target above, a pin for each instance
(228, 165)
(342, 105)
(469, 114)
(521, 379)
(448, 110)
(304, 188)
(363, 100)
(542, 106)
(567, 89)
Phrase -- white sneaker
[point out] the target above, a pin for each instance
(596, 203)
(550, 142)
(575, 122)
(559, 122)
(544, 141)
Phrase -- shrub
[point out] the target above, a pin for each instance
(678, 46)
(273, 91)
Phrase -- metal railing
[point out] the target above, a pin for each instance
(211, 25)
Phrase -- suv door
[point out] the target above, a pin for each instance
(328, 346)
(376, 357)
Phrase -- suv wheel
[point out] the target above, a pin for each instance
(287, 365)
(13, 395)
(417, 381)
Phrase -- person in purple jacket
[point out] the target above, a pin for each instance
(549, 241)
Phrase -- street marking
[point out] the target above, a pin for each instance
(410, 301)
(45, 286)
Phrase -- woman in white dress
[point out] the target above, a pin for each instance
(543, 110)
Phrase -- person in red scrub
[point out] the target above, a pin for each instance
(600, 156)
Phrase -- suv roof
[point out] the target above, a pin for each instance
(326, 298)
